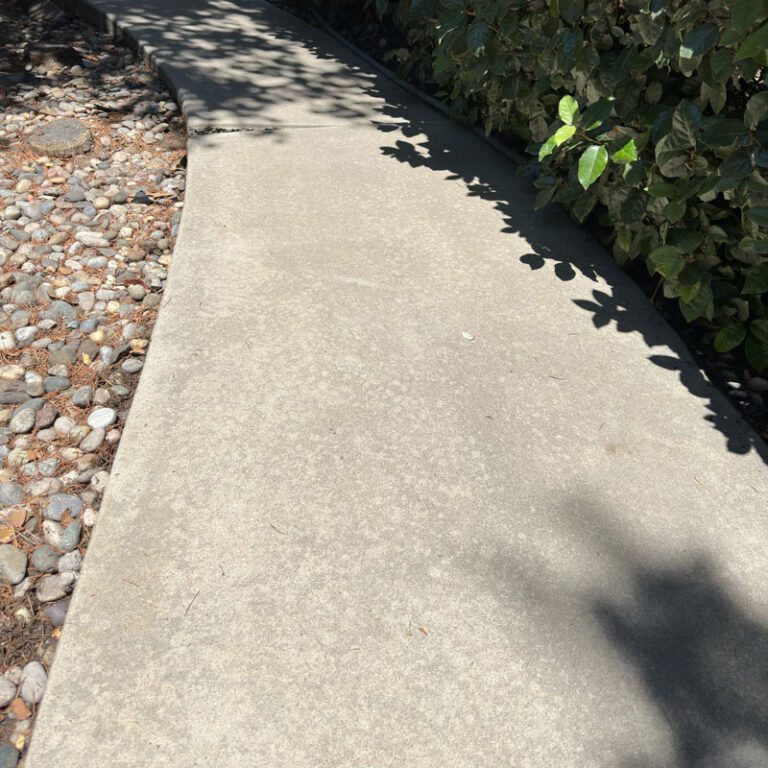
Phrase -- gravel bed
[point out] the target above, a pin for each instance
(92, 176)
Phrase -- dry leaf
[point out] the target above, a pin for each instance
(16, 516)
(66, 519)
(19, 709)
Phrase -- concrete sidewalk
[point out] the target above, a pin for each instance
(414, 477)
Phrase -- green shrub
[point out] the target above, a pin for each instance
(651, 113)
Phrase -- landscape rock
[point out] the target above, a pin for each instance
(11, 494)
(61, 138)
(34, 679)
(7, 693)
(9, 756)
(13, 563)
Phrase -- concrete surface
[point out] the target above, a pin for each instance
(244, 64)
(414, 477)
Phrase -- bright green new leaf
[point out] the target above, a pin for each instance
(627, 153)
(547, 148)
(568, 109)
(563, 133)
(668, 261)
(591, 165)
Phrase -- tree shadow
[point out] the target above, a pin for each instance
(255, 67)
(701, 656)
(703, 661)
(618, 304)
(44, 27)
(251, 67)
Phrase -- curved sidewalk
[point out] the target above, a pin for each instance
(414, 476)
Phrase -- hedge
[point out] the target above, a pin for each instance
(651, 115)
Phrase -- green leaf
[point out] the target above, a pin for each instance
(591, 165)
(685, 239)
(547, 148)
(624, 239)
(724, 133)
(754, 45)
(700, 305)
(756, 279)
(381, 7)
(674, 211)
(596, 114)
(668, 261)
(759, 329)
(751, 245)
(571, 10)
(745, 13)
(757, 108)
(736, 166)
(758, 216)
(690, 283)
(689, 292)
(477, 36)
(756, 352)
(627, 153)
(717, 95)
(583, 206)
(699, 40)
(684, 128)
(633, 208)
(568, 109)
(563, 133)
(730, 336)
(544, 196)
(686, 122)
(662, 189)
(654, 92)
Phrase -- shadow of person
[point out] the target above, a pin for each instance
(704, 663)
